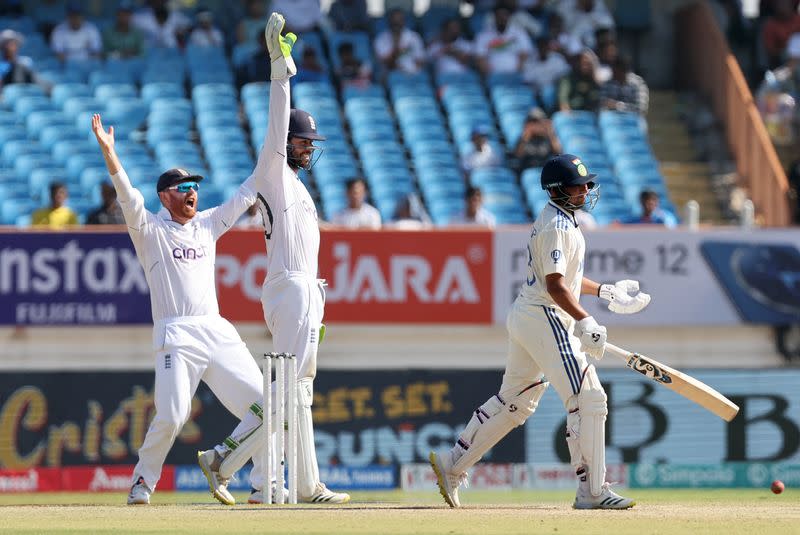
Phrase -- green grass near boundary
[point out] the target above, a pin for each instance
(725, 511)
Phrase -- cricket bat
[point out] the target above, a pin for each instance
(679, 382)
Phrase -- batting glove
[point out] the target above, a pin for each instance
(280, 48)
(592, 336)
(619, 299)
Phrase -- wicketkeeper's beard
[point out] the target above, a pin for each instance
(184, 206)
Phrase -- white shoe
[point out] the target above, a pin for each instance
(324, 495)
(448, 482)
(608, 499)
(140, 493)
(257, 495)
(218, 485)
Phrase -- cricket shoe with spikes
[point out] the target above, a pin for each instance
(257, 495)
(608, 499)
(209, 462)
(140, 493)
(324, 495)
(448, 482)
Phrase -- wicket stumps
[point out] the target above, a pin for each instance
(285, 400)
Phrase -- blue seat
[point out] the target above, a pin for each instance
(62, 92)
(131, 111)
(362, 47)
(153, 91)
(10, 133)
(12, 150)
(12, 92)
(11, 209)
(62, 150)
(25, 105)
(52, 133)
(78, 162)
(157, 134)
(258, 91)
(487, 176)
(75, 105)
(110, 91)
(40, 179)
(99, 77)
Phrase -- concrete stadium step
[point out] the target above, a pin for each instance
(686, 178)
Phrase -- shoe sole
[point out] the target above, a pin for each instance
(139, 502)
(590, 507)
(329, 501)
(207, 472)
(440, 480)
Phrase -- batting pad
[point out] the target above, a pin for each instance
(592, 410)
(242, 445)
(493, 420)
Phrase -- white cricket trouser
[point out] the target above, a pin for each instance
(187, 350)
(293, 309)
(541, 342)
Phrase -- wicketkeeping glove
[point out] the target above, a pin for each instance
(280, 48)
(619, 299)
(592, 336)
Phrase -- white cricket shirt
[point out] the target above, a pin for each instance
(291, 228)
(178, 260)
(556, 246)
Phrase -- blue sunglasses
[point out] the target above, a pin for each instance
(184, 187)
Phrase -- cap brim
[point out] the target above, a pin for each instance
(312, 137)
(586, 179)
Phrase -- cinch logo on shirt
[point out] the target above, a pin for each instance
(189, 253)
(555, 255)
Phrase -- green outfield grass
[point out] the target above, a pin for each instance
(668, 512)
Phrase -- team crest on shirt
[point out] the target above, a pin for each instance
(555, 255)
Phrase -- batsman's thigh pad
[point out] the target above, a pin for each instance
(586, 429)
(493, 420)
(242, 447)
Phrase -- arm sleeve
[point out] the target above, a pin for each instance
(551, 249)
(224, 216)
(130, 200)
(272, 157)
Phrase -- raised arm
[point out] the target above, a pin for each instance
(282, 68)
(130, 199)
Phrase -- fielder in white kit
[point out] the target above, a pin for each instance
(292, 297)
(191, 341)
(542, 344)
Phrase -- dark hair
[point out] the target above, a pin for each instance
(471, 192)
(345, 46)
(647, 194)
(55, 186)
(353, 181)
(622, 62)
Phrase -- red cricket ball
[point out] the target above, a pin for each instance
(777, 486)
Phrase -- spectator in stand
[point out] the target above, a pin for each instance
(777, 95)
(350, 16)
(351, 70)
(302, 16)
(110, 212)
(162, 27)
(474, 213)
(57, 215)
(579, 90)
(777, 29)
(251, 218)
(451, 52)
(74, 38)
(481, 154)
(545, 66)
(399, 48)
(205, 33)
(409, 215)
(565, 43)
(255, 69)
(252, 24)
(625, 91)
(502, 48)
(122, 40)
(520, 18)
(14, 69)
(607, 54)
(358, 213)
(311, 70)
(585, 18)
(537, 143)
(651, 213)
(47, 14)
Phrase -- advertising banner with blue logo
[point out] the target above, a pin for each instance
(710, 277)
(71, 279)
